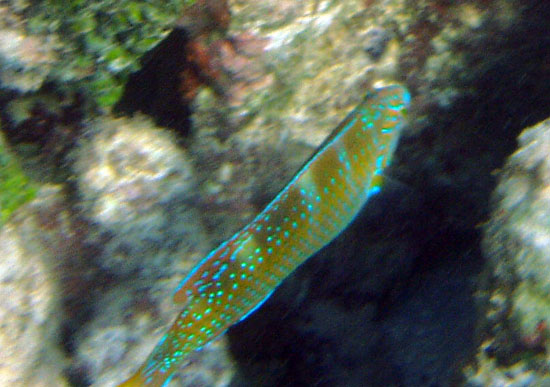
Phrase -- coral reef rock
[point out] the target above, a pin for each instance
(135, 182)
(136, 187)
(517, 242)
(124, 333)
(25, 60)
(33, 244)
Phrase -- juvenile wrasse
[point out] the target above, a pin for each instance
(311, 210)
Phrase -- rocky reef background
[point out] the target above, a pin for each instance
(137, 135)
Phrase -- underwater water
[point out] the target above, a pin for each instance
(275, 193)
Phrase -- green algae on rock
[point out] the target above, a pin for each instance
(15, 186)
(103, 40)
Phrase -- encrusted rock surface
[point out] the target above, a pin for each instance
(135, 186)
(517, 242)
(25, 60)
(309, 59)
(132, 319)
(36, 245)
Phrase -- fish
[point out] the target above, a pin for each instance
(316, 205)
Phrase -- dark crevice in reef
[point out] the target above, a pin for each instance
(391, 300)
(155, 89)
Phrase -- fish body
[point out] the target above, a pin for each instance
(311, 210)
